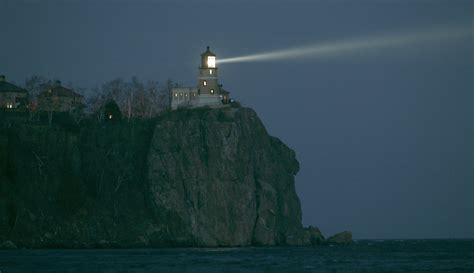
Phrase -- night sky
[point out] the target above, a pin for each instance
(384, 137)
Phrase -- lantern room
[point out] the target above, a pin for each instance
(208, 59)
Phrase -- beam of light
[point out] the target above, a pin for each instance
(355, 45)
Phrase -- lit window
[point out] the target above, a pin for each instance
(212, 91)
(204, 83)
(211, 61)
(210, 71)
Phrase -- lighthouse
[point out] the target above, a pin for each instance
(207, 79)
(208, 91)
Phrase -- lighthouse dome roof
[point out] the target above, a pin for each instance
(208, 52)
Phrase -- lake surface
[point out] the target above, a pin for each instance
(363, 256)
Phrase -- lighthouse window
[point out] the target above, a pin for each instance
(212, 91)
(210, 71)
(211, 61)
(205, 83)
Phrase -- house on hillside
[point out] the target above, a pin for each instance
(57, 98)
(11, 96)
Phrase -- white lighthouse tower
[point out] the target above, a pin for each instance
(208, 91)
(207, 79)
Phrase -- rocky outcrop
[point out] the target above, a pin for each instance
(203, 177)
(342, 238)
(313, 236)
(225, 179)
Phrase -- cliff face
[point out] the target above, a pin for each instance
(190, 178)
(225, 178)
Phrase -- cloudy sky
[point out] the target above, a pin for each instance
(384, 135)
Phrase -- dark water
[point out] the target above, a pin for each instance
(363, 256)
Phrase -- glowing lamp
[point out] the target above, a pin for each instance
(211, 61)
(208, 60)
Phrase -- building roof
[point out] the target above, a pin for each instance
(208, 53)
(60, 91)
(8, 87)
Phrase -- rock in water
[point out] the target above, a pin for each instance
(313, 235)
(342, 238)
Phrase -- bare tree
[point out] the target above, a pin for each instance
(135, 98)
(51, 104)
(152, 91)
(35, 85)
(165, 93)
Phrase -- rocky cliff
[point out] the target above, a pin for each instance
(204, 177)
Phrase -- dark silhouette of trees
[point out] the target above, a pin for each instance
(134, 98)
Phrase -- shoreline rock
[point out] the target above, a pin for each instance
(313, 236)
(341, 238)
